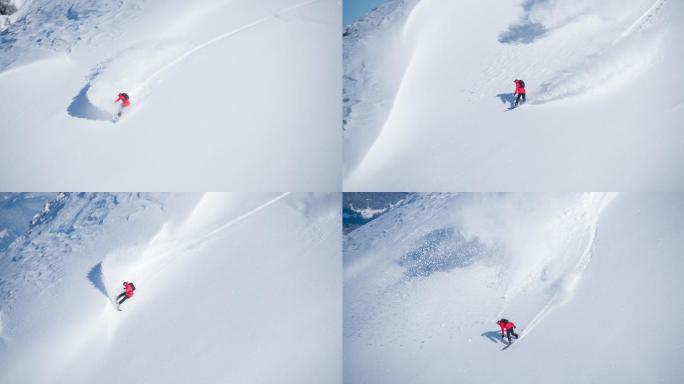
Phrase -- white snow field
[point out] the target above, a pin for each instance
(428, 84)
(231, 288)
(593, 282)
(226, 95)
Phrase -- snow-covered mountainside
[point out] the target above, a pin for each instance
(360, 208)
(592, 281)
(241, 288)
(225, 95)
(18, 212)
(428, 84)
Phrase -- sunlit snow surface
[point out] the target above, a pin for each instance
(226, 95)
(591, 280)
(238, 288)
(428, 84)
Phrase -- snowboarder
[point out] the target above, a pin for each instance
(129, 288)
(509, 327)
(125, 102)
(124, 99)
(520, 91)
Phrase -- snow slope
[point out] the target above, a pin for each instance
(18, 211)
(591, 280)
(230, 288)
(428, 83)
(226, 95)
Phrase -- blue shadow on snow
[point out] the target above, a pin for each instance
(494, 336)
(82, 108)
(441, 250)
(95, 277)
(526, 31)
(507, 98)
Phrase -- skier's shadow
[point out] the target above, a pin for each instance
(494, 336)
(82, 108)
(507, 98)
(95, 277)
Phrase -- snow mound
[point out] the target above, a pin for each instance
(129, 71)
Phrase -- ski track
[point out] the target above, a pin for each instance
(175, 249)
(218, 38)
(571, 279)
(641, 21)
(105, 322)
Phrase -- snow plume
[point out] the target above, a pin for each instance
(620, 40)
(550, 15)
(117, 74)
(144, 262)
(547, 246)
(621, 60)
(521, 254)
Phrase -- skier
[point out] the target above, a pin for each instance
(129, 288)
(520, 91)
(124, 99)
(509, 327)
(125, 102)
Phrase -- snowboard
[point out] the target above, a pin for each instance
(115, 304)
(511, 343)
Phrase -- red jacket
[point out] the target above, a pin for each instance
(518, 89)
(129, 289)
(123, 99)
(505, 326)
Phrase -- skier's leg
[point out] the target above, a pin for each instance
(121, 298)
(514, 334)
(508, 334)
(524, 99)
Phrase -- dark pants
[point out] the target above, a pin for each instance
(123, 298)
(517, 100)
(510, 332)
